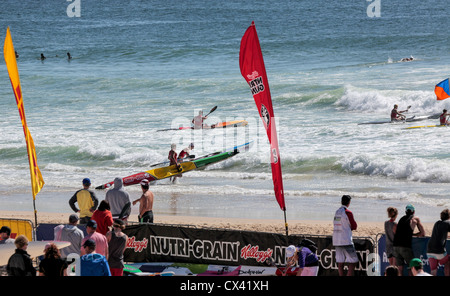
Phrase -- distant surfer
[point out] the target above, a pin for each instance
(42, 57)
(395, 114)
(407, 59)
(443, 118)
(69, 57)
(186, 152)
(198, 120)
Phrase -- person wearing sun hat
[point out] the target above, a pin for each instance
(416, 267)
(304, 255)
(403, 252)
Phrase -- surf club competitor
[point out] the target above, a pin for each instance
(186, 152)
(174, 160)
(395, 114)
(198, 121)
(443, 118)
(343, 225)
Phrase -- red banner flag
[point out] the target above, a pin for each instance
(253, 70)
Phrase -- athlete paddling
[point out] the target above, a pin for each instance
(396, 116)
(443, 118)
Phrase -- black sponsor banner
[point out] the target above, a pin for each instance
(167, 243)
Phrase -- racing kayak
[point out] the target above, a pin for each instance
(234, 123)
(410, 119)
(187, 166)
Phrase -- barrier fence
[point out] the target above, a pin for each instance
(189, 244)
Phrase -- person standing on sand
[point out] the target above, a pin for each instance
(119, 200)
(145, 203)
(20, 263)
(93, 264)
(103, 217)
(101, 243)
(403, 237)
(416, 266)
(5, 233)
(436, 252)
(71, 233)
(343, 225)
(87, 201)
(390, 226)
(117, 241)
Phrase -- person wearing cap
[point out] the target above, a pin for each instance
(403, 252)
(436, 251)
(100, 240)
(72, 234)
(92, 263)
(5, 233)
(307, 260)
(117, 241)
(87, 201)
(343, 225)
(443, 117)
(145, 203)
(416, 267)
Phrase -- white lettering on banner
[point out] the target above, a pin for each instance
(204, 249)
(256, 85)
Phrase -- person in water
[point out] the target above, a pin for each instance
(173, 158)
(443, 118)
(396, 115)
(186, 152)
(198, 121)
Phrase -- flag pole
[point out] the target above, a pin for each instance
(285, 223)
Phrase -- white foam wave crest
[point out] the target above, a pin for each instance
(411, 169)
(357, 99)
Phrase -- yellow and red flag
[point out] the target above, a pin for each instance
(37, 182)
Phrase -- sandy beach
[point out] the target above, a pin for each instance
(316, 227)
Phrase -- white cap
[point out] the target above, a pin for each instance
(290, 251)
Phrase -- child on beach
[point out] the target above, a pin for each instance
(390, 226)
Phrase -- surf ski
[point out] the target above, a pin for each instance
(410, 119)
(226, 124)
(187, 166)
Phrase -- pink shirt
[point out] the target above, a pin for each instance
(101, 243)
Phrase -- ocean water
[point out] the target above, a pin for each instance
(142, 66)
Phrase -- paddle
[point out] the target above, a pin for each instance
(212, 110)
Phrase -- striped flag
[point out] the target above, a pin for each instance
(37, 182)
